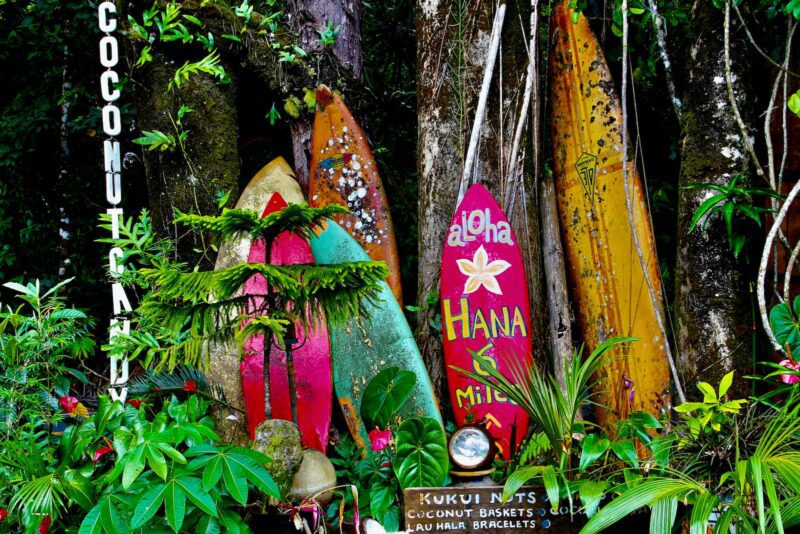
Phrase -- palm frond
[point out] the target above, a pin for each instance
(174, 381)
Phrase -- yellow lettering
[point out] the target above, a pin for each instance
(467, 395)
(503, 326)
(480, 324)
(519, 322)
(450, 320)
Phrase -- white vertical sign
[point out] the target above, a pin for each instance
(112, 126)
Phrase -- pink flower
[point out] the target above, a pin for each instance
(790, 378)
(190, 385)
(136, 403)
(99, 453)
(3, 513)
(68, 404)
(379, 439)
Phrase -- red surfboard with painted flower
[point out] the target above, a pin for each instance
(312, 359)
(485, 309)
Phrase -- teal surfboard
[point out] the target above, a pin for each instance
(364, 347)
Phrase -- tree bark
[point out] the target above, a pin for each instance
(713, 303)
(451, 55)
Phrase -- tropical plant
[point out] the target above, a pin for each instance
(191, 309)
(418, 459)
(730, 199)
(167, 473)
(757, 489)
(39, 340)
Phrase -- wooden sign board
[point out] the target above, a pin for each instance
(479, 509)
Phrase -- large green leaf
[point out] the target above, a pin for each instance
(786, 325)
(148, 505)
(646, 493)
(662, 517)
(174, 505)
(134, 465)
(701, 511)
(421, 459)
(591, 493)
(384, 395)
(518, 478)
(592, 448)
(194, 490)
(235, 482)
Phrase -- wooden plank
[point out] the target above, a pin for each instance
(607, 280)
(480, 510)
(485, 309)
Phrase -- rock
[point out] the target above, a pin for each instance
(370, 526)
(280, 440)
(316, 474)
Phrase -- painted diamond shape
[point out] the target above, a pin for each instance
(587, 171)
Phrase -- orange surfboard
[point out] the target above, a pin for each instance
(607, 279)
(344, 172)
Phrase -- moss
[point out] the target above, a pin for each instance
(280, 441)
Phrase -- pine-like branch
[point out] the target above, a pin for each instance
(296, 218)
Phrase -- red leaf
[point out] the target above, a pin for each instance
(136, 403)
(99, 453)
(68, 404)
(3, 513)
(190, 385)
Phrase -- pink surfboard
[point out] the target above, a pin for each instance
(312, 360)
(485, 309)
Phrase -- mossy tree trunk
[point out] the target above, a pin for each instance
(713, 301)
(453, 41)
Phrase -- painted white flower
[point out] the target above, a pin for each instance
(482, 273)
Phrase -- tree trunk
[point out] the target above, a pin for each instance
(713, 302)
(213, 160)
(453, 38)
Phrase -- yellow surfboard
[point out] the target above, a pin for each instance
(607, 279)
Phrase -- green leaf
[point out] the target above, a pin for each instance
(725, 384)
(421, 458)
(518, 478)
(646, 493)
(551, 485)
(112, 519)
(148, 505)
(235, 482)
(256, 474)
(134, 465)
(592, 448)
(704, 208)
(794, 103)
(662, 517)
(174, 505)
(687, 407)
(92, 523)
(626, 451)
(212, 473)
(384, 395)
(156, 461)
(785, 324)
(591, 493)
(381, 498)
(709, 395)
(701, 511)
(194, 490)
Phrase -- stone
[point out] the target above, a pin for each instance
(316, 474)
(280, 440)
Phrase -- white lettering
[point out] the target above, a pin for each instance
(105, 23)
(107, 89)
(109, 51)
(120, 299)
(115, 268)
(112, 121)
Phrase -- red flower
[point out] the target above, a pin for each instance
(99, 453)
(790, 378)
(190, 385)
(3, 513)
(68, 404)
(379, 439)
(136, 403)
(44, 526)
